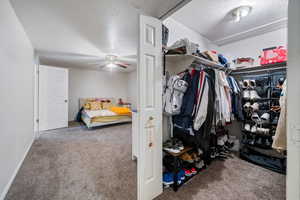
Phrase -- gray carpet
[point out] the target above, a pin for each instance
(81, 164)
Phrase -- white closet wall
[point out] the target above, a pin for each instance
(253, 46)
(91, 83)
(16, 89)
(179, 31)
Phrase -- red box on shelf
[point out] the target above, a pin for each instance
(273, 55)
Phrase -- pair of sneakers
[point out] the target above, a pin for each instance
(248, 84)
(250, 128)
(263, 119)
(255, 129)
(250, 94)
(168, 178)
(251, 107)
(173, 146)
(190, 172)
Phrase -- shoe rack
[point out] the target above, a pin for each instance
(256, 143)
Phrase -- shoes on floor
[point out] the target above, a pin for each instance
(193, 171)
(168, 178)
(187, 172)
(181, 175)
(187, 157)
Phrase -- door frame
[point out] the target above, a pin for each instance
(293, 107)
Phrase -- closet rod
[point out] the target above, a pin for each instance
(258, 70)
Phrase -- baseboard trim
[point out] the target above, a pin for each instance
(5, 191)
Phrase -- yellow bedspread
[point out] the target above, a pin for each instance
(110, 118)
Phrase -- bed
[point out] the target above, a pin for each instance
(106, 115)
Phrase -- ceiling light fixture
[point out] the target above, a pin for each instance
(240, 12)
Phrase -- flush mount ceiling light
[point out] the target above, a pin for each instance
(240, 12)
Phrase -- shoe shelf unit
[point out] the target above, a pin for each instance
(256, 147)
(186, 149)
(176, 185)
(276, 67)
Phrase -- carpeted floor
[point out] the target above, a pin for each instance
(81, 164)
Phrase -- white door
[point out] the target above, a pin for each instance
(150, 108)
(293, 106)
(53, 98)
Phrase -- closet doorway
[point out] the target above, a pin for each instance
(148, 170)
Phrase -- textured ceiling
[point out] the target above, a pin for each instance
(75, 29)
(211, 17)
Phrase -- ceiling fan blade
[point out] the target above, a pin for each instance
(128, 60)
(122, 65)
(97, 62)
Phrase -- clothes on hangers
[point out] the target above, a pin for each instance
(174, 93)
(236, 99)
(279, 141)
(223, 98)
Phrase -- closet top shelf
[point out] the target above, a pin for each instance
(260, 69)
(199, 60)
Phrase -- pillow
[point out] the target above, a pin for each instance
(87, 106)
(106, 104)
(121, 110)
(95, 105)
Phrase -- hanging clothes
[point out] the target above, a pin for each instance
(279, 141)
(200, 111)
(236, 99)
(184, 120)
(223, 102)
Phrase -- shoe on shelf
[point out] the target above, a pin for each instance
(195, 157)
(168, 178)
(246, 94)
(178, 143)
(194, 171)
(265, 118)
(247, 127)
(253, 95)
(264, 131)
(252, 84)
(187, 172)
(245, 84)
(255, 117)
(181, 175)
(255, 106)
(187, 157)
(253, 129)
(168, 146)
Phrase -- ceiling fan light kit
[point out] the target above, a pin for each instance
(241, 12)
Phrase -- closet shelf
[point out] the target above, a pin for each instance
(262, 68)
(199, 60)
(186, 149)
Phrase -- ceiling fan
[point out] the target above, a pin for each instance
(113, 61)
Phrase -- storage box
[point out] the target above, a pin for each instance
(273, 55)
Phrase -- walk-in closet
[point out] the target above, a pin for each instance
(224, 105)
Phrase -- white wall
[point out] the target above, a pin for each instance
(16, 89)
(90, 83)
(179, 31)
(132, 89)
(252, 47)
